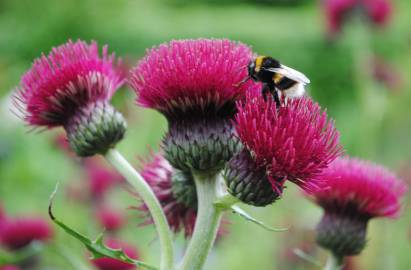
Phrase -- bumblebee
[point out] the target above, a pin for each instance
(276, 78)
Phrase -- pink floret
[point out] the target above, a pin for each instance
(70, 76)
(186, 75)
(296, 141)
(158, 173)
(360, 187)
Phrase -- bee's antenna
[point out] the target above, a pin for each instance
(242, 82)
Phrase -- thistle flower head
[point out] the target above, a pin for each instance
(192, 76)
(70, 76)
(113, 264)
(360, 188)
(379, 11)
(295, 142)
(356, 192)
(16, 233)
(194, 83)
(181, 214)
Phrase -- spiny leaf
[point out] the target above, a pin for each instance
(246, 216)
(96, 247)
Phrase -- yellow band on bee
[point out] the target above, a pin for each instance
(258, 62)
(277, 77)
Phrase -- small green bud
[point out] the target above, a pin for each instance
(341, 234)
(248, 182)
(95, 128)
(203, 145)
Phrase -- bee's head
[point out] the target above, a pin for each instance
(271, 62)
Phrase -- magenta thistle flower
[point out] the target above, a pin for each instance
(296, 142)
(356, 192)
(110, 219)
(180, 212)
(379, 11)
(71, 87)
(113, 264)
(194, 83)
(192, 75)
(16, 233)
(370, 189)
(71, 76)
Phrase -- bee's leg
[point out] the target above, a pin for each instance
(266, 89)
(276, 96)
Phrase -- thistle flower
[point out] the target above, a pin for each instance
(337, 12)
(176, 192)
(113, 264)
(294, 142)
(357, 192)
(16, 233)
(193, 83)
(71, 87)
(110, 219)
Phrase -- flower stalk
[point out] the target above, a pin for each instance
(207, 223)
(334, 262)
(147, 195)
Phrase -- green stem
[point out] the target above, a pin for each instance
(149, 198)
(207, 224)
(334, 262)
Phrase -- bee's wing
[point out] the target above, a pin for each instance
(290, 73)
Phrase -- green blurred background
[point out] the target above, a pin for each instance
(374, 117)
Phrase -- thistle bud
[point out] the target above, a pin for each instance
(201, 145)
(95, 128)
(249, 182)
(345, 236)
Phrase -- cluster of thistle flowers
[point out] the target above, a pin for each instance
(17, 233)
(214, 126)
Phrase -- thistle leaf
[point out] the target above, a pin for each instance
(96, 247)
(246, 216)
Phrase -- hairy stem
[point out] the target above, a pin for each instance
(334, 262)
(149, 198)
(207, 223)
